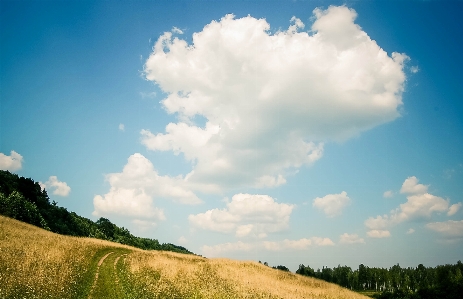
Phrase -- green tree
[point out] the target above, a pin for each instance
(306, 271)
(23, 199)
(17, 207)
(362, 276)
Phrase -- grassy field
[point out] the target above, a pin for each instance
(35, 263)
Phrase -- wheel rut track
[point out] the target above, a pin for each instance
(106, 281)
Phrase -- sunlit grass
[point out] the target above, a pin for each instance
(35, 263)
(171, 275)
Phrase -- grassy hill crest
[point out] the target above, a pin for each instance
(36, 263)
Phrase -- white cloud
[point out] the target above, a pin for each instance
(450, 229)
(246, 215)
(454, 209)
(145, 95)
(176, 30)
(410, 231)
(332, 204)
(286, 244)
(420, 204)
(388, 194)
(417, 206)
(297, 24)
(244, 230)
(411, 186)
(378, 233)
(219, 249)
(350, 239)
(144, 225)
(122, 127)
(270, 101)
(379, 222)
(13, 162)
(301, 244)
(414, 69)
(59, 188)
(42, 185)
(182, 240)
(133, 190)
(322, 241)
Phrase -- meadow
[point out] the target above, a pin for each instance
(35, 263)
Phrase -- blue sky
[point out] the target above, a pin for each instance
(257, 136)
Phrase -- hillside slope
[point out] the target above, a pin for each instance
(23, 199)
(36, 263)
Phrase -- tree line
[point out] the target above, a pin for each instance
(444, 281)
(23, 199)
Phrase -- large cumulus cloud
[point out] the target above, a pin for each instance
(270, 100)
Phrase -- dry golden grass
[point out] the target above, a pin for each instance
(171, 275)
(35, 263)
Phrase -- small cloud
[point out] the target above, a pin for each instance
(176, 30)
(268, 181)
(12, 162)
(246, 215)
(332, 204)
(148, 95)
(301, 244)
(410, 231)
(449, 229)
(182, 240)
(122, 127)
(59, 188)
(297, 24)
(144, 225)
(411, 186)
(322, 241)
(454, 209)
(379, 222)
(133, 191)
(414, 69)
(378, 233)
(219, 249)
(419, 205)
(350, 239)
(285, 245)
(388, 194)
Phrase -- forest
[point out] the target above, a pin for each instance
(23, 199)
(444, 281)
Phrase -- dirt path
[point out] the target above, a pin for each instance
(97, 273)
(106, 282)
(115, 265)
